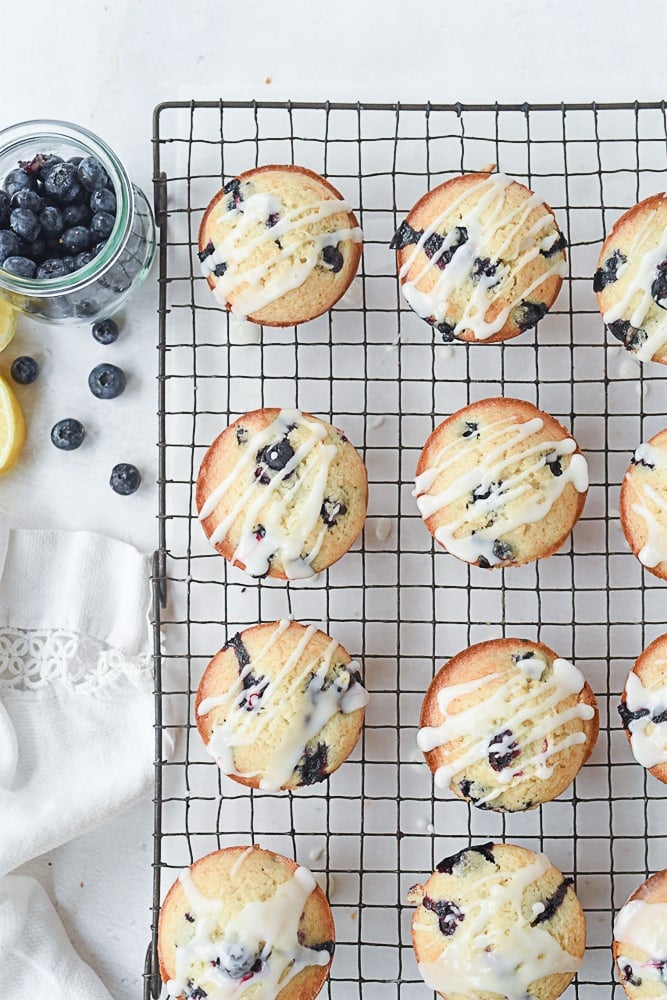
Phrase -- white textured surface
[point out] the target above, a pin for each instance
(105, 66)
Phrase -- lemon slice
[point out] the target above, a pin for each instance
(7, 323)
(12, 426)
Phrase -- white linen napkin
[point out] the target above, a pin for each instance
(76, 709)
(38, 959)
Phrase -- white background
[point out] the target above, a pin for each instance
(105, 66)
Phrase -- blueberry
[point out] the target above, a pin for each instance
(240, 651)
(608, 273)
(484, 267)
(553, 903)
(502, 550)
(36, 250)
(76, 215)
(68, 434)
(627, 716)
(77, 239)
(528, 314)
(554, 465)
(4, 209)
(52, 221)
(25, 224)
(125, 479)
(220, 269)
(446, 330)
(448, 913)
(447, 865)
(312, 766)
(103, 201)
(236, 960)
(331, 511)
(333, 258)
(99, 247)
(81, 259)
(659, 286)
(484, 492)
(76, 160)
(241, 435)
(24, 370)
(206, 252)
(276, 456)
(405, 235)
(105, 331)
(18, 180)
(628, 976)
(9, 244)
(62, 183)
(558, 244)
(22, 267)
(92, 174)
(53, 267)
(471, 428)
(106, 381)
(69, 262)
(233, 187)
(630, 336)
(435, 241)
(41, 164)
(502, 758)
(28, 199)
(101, 225)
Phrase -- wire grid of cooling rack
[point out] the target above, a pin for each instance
(395, 600)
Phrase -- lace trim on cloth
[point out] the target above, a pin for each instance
(35, 658)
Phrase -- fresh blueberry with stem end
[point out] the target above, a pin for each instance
(28, 199)
(101, 225)
(76, 215)
(5, 209)
(41, 164)
(501, 758)
(106, 381)
(608, 273)
(53, 267)
(77, 239)
(125, 479)
(276, 456)
(52, 221)
(18, 180)
(92, 174)
(68, 434)
(25, 224)
(22, 267)
(448, 913)
(62, 183)
(24, 370)
(103, 201)
(105, 331)
(9, 244)
(333, 259)
(528, 314)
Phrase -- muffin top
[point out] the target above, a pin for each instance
(640, 940)
(279, 245)
(643, 708)
(643, 504)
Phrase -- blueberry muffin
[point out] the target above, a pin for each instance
(643, 708)
(500, 483)
(281, 493)
(495, 921)
(507, 724)
(278, 245)
(643, 505)
(243, 922)
(640, 940)
(480, 258)
(280, 706)
(630, 282)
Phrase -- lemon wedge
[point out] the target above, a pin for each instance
(12, 426)
(7, 323)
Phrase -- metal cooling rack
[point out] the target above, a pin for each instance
(401, 604)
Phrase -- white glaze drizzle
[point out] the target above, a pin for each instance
(248, 290)
(530, 503)
(647, 738)
(268, 929)
(654, 550)
(284, 533)
(643, 925)
(490, 193)
(242, 728)
(504, 958)
(639, 284)
(513, 702)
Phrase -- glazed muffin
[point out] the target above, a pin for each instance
(480, 258)
(282, 493)
(279, 245)
(643, 708)
(630, 282)
(507, 724)
(497, 921)
(244, 922)
(280, 706)
(640, 940)
(500, 483)
(643, 505)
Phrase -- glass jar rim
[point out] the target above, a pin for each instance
(36, 130)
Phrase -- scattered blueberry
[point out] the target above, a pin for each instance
(608, 273)
(236, 960)
(22, 267)
(77, 239)
(106, 381)
(52, 221)
(68, 434)
(53, 267)
(528, 314)
(5, 209)
(9, 244)
(92, 174)
(24, 370)
(101, 225)
(630, 336)
(28, 199)
(333, 258)
(25, 224)
(103, 201)
(405, 235)
(448, 913)
(125, 479)
(552, 903)
(447, 865)
(105, 331)
(76, 215)
(18, 180)
(502, 758)
(312, 766)
(61, 182)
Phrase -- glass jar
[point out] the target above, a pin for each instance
(100, 287)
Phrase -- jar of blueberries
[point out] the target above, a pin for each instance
(76, 236)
